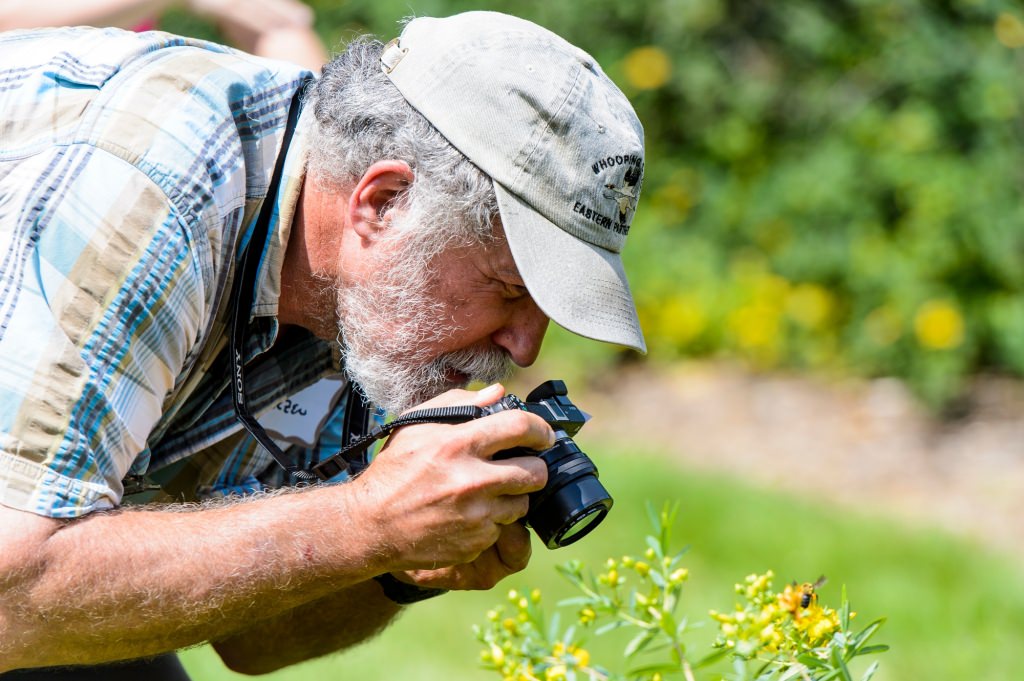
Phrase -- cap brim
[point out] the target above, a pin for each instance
(581, 287)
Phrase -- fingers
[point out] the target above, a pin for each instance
(444, 500)
(511, 509)
(508, 555)
(513, 547)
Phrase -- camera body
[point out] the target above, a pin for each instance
(573, 502)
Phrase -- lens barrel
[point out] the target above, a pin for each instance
(573, 502)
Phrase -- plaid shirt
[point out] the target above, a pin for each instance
(132, 167)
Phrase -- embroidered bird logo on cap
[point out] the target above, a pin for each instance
(627, 195)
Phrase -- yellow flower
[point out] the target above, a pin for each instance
(555, 672)
(682, 319)
(939, 325)
(679, 576)
(647, 68)
(809, 305)
(816, 623)
(1009, 30)
(755, 326)
(582, 657)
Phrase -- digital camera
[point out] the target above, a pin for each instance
(573, 502)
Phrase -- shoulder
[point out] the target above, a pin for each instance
(188, 113)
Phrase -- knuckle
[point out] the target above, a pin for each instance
(522, 506)
(487, 581)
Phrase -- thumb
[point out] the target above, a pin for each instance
(452, 398)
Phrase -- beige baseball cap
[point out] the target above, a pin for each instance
(561, 143)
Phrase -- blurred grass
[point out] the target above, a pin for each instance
(953, 608)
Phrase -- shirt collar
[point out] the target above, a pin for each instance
(268, 291)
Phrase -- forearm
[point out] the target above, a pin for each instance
(136, 583)
(123, 13)
(332, 623)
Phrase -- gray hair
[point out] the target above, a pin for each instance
(361, 118)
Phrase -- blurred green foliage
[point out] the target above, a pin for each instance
(832, 185)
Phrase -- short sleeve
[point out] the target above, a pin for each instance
(101, 299)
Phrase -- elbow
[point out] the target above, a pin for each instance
(23, 565)
(243, 659)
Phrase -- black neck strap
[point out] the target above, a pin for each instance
(244, 291)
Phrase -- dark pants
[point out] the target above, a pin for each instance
(163, 668)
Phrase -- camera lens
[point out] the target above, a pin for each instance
(573, 502)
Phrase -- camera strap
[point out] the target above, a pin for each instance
(243, 293)
(346, 459)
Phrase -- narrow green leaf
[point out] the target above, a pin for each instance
(793, 672)
(554, 626)
(871, 650)
(653, 669)
(870, 671)
(711, 658)
(812, 661)
(653, 517)
(844, 611)
(840, 663)
(638, 643)
(605, 628)
(570, 634)
(739, 667)
(868, 631)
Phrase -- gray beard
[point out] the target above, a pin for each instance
(385, 327)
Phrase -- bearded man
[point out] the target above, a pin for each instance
(176, 214)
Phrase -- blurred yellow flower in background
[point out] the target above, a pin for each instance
(647, 68)
(809, 305)
(1010, 30)
(755, 326)
(939, 325)
(681, 319)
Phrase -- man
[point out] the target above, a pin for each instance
(441, 198)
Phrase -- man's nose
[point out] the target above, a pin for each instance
(524, 333)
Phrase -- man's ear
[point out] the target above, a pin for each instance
(375, 194)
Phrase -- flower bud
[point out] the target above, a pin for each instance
(679, 576)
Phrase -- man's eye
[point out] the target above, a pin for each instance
(512, 291)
